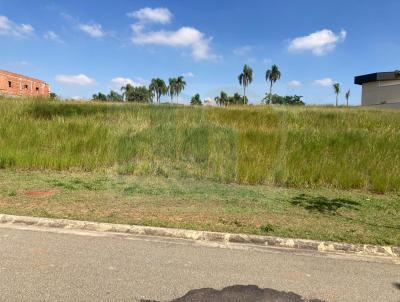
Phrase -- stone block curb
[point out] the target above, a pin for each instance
(226, 238)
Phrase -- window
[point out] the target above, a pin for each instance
(26, 86)
(9, 84)
(37, 89)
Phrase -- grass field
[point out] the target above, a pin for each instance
(310, 172)
(294, 147)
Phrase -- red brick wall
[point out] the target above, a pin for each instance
(21, 85)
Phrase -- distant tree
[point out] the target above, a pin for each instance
(172, 87)
(99, 97)
(294, 100)
(126, 90)
(196, 101)
(180, 86)
(53, 96)
(287, 100)
(272, 75)
(237, 99)
(336, 89)
(222, 99)
(114, 96)
(245, 78)
(136, 94)
(158, 88)
(347, 96)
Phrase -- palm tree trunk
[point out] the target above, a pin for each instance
(336, 100)
(244, 91)
(270, 93)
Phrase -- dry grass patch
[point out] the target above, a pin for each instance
(325, 214)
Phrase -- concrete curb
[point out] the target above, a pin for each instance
(321, 246)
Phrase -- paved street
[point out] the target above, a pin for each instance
(58, 265)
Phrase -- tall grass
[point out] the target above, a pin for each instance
(301, 147)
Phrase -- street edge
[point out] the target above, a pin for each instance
(272, 241)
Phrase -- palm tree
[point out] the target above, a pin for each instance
(245, 78)
(222, 99)
(180, 86)
(172, 87)
(158, 87)
(126, 90)
(336, 88)
(272, 75)
(347, 96)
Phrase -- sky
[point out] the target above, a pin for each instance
(86, 46)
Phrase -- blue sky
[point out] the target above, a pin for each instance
(82, 47)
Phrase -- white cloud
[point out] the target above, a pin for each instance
(152, 15)
(319, 42)
(52, 36)
(188, 75)
(294, 84)
(10, 28)
(27, 28)
(94, 30)
(79, 79)
(326, 82)
(242, 51)
(118, 82)
(183, 37)
(137, 27)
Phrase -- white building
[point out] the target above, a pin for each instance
(380, 89)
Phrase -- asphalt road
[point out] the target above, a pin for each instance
(58, 265)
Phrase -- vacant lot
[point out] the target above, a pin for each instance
(320, 173)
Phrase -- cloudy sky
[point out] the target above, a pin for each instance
(82, 47)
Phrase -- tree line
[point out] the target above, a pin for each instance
(158, 88)
(143, 94)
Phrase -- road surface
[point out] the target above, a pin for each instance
(38, 264)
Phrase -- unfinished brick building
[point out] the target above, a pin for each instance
(19, 85)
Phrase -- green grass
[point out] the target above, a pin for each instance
(309, 172)
(308, 147)
(326, 214)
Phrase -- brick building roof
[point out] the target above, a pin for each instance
(8, 73)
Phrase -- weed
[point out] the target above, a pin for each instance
(267, 228)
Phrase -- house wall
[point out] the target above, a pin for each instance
(387, 106)
(21, 85)
(383, 93)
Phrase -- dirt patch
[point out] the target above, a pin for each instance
(39, 194)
